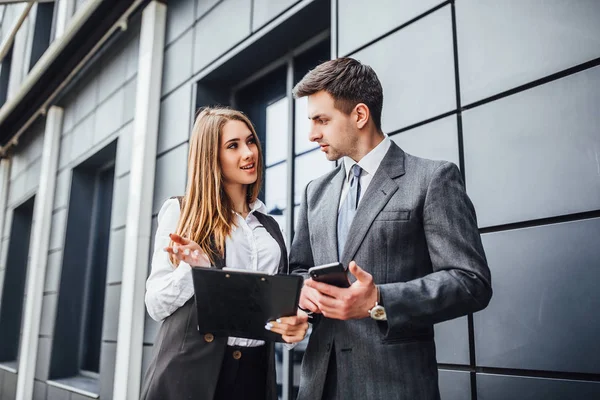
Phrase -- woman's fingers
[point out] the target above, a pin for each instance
(179, 239)
(292, 339)
(290, 332)
(190, 252)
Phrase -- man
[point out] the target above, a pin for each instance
(408, 234)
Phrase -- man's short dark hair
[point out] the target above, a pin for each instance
(349, 82)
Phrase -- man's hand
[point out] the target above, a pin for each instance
(292, 329)
(351, 303)
(308, 298)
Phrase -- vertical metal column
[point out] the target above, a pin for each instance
(288, 355)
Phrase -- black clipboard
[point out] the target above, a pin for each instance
(239, 303)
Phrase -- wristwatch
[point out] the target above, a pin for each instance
(378, 312)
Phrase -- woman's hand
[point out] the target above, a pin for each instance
(291, 329)
(187, 251)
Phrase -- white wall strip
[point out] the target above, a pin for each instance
(42, 215)
(130, 339)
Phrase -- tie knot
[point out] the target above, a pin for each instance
(356, 170)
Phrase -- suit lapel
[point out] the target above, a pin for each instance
(326, 222)
(379, 192)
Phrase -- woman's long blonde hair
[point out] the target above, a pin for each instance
(206, 213)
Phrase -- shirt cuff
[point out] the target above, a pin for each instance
(182, 278)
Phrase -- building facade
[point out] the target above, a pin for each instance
(97, 100)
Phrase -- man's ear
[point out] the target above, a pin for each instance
(362, 115)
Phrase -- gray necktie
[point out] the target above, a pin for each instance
(348, 208)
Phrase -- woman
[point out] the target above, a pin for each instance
(218, 222)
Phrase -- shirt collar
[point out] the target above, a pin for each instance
(371, 161)
(257, 206)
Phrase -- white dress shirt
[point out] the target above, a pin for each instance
(369, 164)
(250, 246)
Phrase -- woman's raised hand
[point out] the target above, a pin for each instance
(292, 329)
(187, 251)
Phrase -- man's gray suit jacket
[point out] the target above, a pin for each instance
(415, 231)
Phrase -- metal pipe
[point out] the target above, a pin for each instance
(49, 56)
(9, 40)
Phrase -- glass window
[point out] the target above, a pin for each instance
(276, 192)
(308, 167)
(302, 127)
(78, 331)
(277, 131)
(11, 308)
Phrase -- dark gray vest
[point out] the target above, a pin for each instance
(186, 363)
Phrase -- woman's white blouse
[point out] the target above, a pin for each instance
(249, 246)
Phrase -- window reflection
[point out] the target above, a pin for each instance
(277, 132)
(275, 192)
(302, 126)
(308, 167)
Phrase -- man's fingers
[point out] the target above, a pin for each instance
(308, 305)
(326, 303)
(359, 273)
(308, 299)
(324, 288)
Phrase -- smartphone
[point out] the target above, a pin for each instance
(332, 274)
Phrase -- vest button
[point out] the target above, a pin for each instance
(209, 337)
(237, 354)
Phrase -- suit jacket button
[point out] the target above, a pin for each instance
(237, 354)
(209, 337)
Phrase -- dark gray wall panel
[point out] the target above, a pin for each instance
(109, 116)
(112, 74)
(535, 154)
(110, 324)
(42, 364)
(120, 199)
(360, 23)
(55, 393)
(436, 140)
(53, 269)
(76, 396)
(114, 269)
(39, 390)
(203, 6)
(454, 385)
(9, 386)
(265, 10)
(452, 341)
(129, 106)
(61, 193)
(416, 68)
(151, 328)
(170, 176)
(504, 44)
(545, 282)
(180, 17)
(178, 61)
(231, 19)
(175, 119)
(108, 358)
(147, 353)
(48, 314)
(123, 159)
(500, 387)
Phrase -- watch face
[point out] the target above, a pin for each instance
(378, 313)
